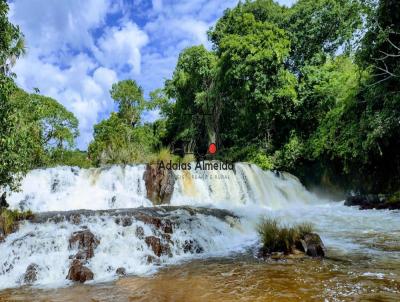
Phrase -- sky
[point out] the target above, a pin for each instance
(77, 49)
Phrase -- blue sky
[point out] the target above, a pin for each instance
(77, 49)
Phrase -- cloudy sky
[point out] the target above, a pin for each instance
(76, 49)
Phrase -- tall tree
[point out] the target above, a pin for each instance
(129, 97)
(14, 142)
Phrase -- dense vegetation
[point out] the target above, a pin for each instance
(312, 89)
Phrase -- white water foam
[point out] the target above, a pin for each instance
(248, 191)
(69, 188)
(46, 245)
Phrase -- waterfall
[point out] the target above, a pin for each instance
(46, 244)
(69, 188)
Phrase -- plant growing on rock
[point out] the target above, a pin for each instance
(9, 220)
(279, 238)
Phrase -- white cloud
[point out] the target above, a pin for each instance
(122, 45)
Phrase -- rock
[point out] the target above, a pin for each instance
(78, 272)
(30, 275)
(86, 242)
(139, 232)
(164, 225)
(158, 248)
(151, 259)
(124, 221)
(192, 246)
(121, 271)
(374, 201)
(312, 245)
(159, 184)
(3, 201)
(75, 219)
(364, 201)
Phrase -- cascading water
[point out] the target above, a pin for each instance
(69, 188)
(247, 191)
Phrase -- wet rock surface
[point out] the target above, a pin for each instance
(162, 216)
(374, 201)
(86, 242)
(30, 275)
(312, 245)
(121, 271)
(309, 244)
(159, 248)
(79, 272)
(159, 184)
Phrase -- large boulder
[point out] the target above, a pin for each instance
(31, 272)
(159, 184)
(86, 243)
(79, 272)
(312, 245)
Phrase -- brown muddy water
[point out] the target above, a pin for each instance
(241, 278)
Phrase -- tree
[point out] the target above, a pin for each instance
(129, 97)
(11, 40)
(14, 141)
(121, 139)
(188, 117)
(51, 126)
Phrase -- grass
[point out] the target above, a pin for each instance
(9, 219)
(279, 238)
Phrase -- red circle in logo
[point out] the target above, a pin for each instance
(212, 148)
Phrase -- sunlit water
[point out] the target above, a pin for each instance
(363, 260)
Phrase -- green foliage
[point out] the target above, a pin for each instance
(14, 138)
(11, 41)
(129, 97)
(121, 139)
(9, 220)
(50, 126)
(297, 89)
(278, 238)
(116, 142)
(190, 88)
(262, 160)
(75, 158)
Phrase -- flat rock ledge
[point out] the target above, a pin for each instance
(152, 215)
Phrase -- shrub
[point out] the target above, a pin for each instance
(9, 219)
(262, 160)
(277, 238)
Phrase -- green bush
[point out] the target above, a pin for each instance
(9, 219)
(262, 160)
